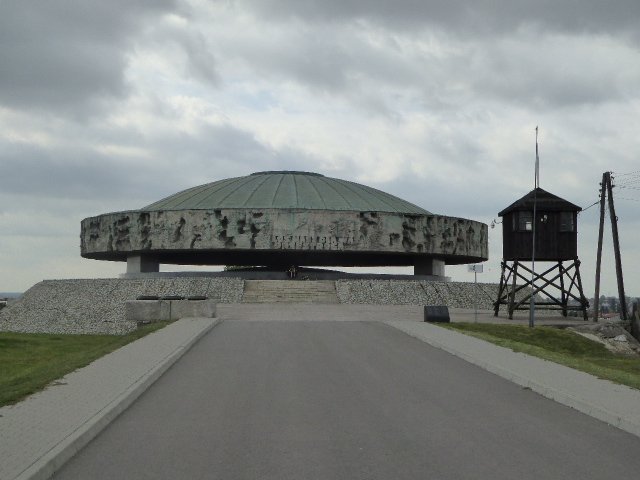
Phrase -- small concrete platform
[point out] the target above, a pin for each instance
(380, 313)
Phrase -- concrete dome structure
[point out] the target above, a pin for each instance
(285, 190)
(283, 218)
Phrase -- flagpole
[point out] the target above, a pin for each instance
(532, 305)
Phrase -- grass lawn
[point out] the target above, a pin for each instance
(31, 361)
(560, 346)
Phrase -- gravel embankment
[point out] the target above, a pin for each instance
(417, 292)
(98, 305)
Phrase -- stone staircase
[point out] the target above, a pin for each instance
(290, 291)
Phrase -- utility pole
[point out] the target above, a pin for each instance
(616, 250)
(607, 191)
(596, 299)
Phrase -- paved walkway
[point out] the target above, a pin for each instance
(615, 404)
(41, 433)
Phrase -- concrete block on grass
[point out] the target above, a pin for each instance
(146, 311)
(436, 314)
(192, 308)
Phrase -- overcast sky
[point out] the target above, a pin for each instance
(112, 105)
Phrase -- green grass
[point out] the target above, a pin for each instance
(29, 361)
(560, 346)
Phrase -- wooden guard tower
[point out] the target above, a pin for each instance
(556, 249)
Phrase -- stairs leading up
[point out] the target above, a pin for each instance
(290, 291)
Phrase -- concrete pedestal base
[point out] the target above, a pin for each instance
(142, 264)
(429, 266)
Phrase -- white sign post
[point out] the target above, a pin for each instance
(476, 269)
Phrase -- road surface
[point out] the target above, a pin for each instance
(345, 400)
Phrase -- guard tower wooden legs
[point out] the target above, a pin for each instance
(552, 289)
(504, 280)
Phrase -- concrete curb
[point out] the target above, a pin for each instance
(564, 396)
(49, 463)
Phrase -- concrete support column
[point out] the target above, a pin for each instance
(142, 264)
(429, 266)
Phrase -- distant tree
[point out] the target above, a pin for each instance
(614, 304)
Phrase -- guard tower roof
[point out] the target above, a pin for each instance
(545, 201)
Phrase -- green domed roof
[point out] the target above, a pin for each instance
(286, 189)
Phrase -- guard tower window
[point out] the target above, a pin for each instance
(525, 221)
(566, 222)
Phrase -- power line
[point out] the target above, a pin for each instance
(587, 208)
(628, 181)
(635, 172)
(628, 184)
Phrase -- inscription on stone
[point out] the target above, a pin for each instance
(310, 242)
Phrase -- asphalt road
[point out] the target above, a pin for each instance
(345, 400)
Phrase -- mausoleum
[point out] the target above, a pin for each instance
(278, 219)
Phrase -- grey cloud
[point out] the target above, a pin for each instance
(173, 162)
(63, 173)
(554, 71)
(464, 16)
(369, 66)
(67, 55)
(223, 151)
(332, 61)
(442, 198)
(201, 60)
(321, 63)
